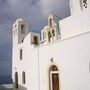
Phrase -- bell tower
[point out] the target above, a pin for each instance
(78, 5)
(52, 33)
(20, 30)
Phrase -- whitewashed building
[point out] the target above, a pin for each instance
(56, 59)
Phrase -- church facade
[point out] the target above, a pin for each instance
(56, 59)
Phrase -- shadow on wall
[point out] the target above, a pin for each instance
(20, 87)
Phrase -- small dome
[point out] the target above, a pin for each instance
(20, 19)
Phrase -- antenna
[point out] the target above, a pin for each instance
(57, 16)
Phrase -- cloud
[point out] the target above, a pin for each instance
(35, 12)
(5, 34)
(5, 59)
(58, 7)
(29, 10)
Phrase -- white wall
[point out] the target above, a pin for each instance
(75, 24)
(29, 64)
(72, 58)
(76, 6)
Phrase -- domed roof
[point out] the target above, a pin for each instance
(20, 19)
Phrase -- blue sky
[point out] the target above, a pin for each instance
(35, 12)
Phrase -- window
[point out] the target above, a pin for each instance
(84, 3)
(16, 80)
(21, 54)
(22, 26)
(23, 77)
(35, 40)
(54, 78)
(53, 32)
(50, 22)
(22, 29)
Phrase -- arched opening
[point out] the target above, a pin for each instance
(54, 78)
(16, 80)
(23, 78)
(53, 32)
(50, 22)
(22, 29)
(49, 36)
(35, 40)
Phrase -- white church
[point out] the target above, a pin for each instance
(56, 59)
